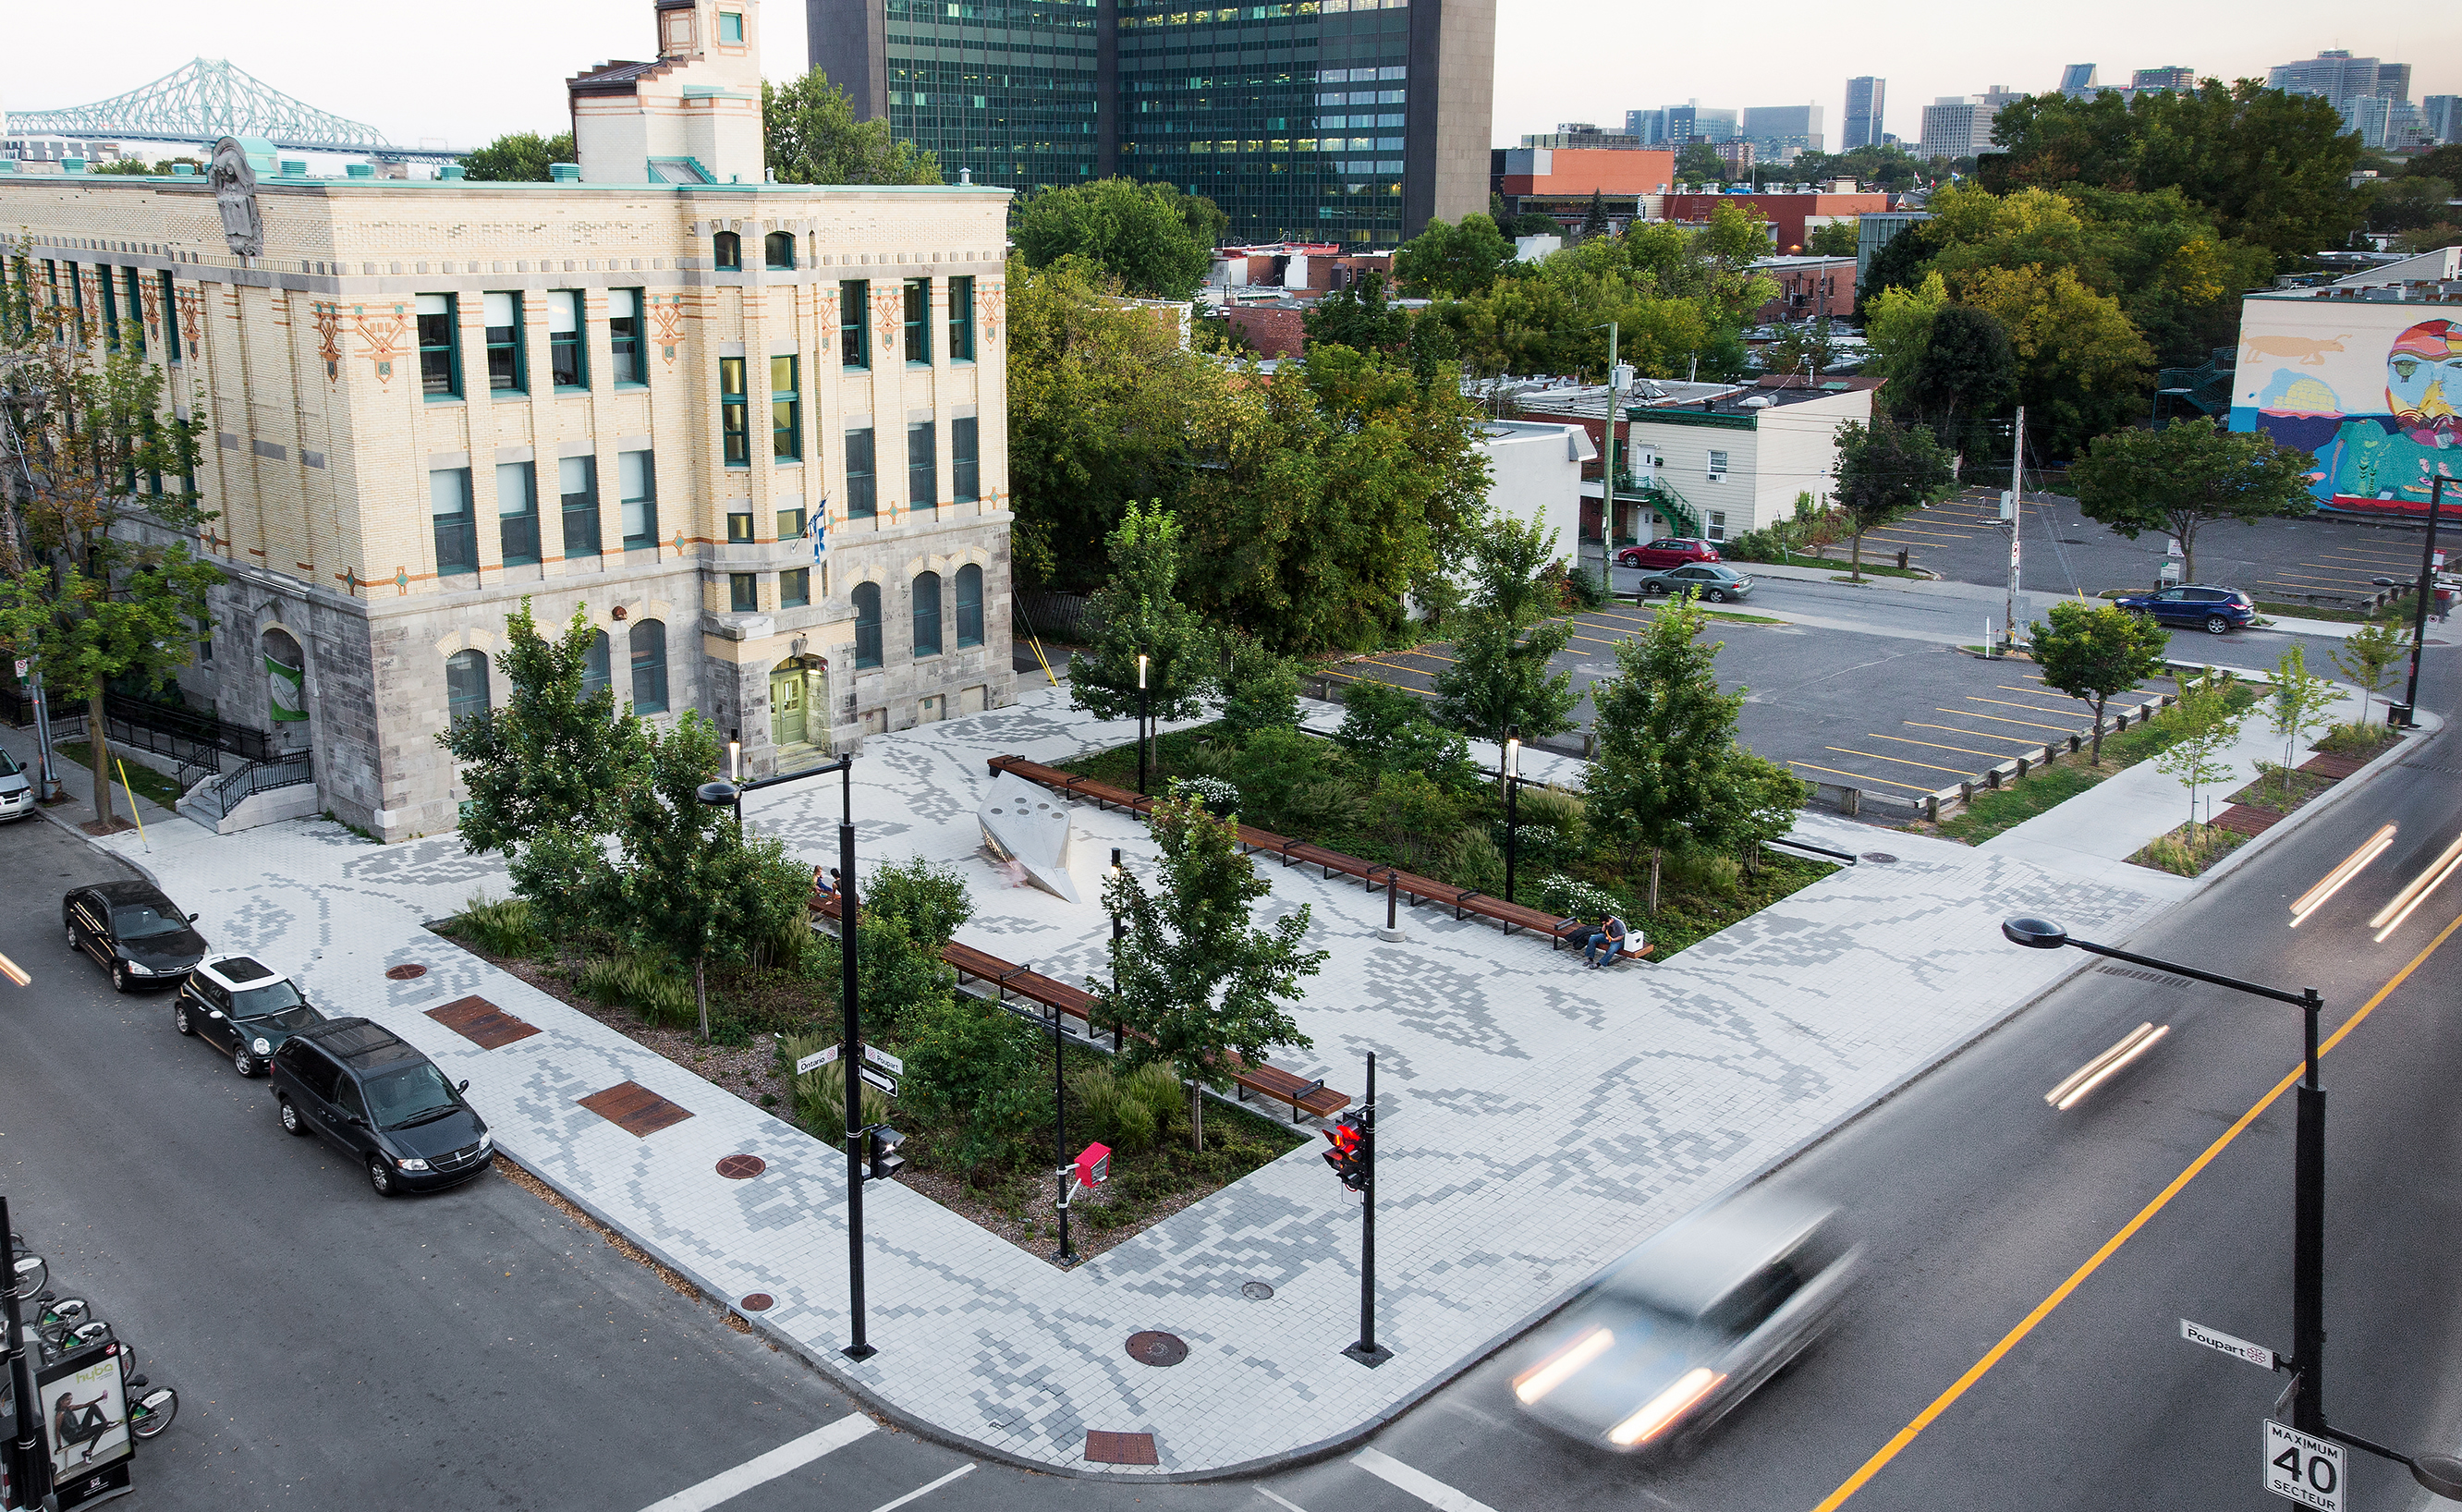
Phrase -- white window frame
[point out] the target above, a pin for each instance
(1714, 466)
(1717, 528)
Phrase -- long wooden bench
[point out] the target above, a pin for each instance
(1312, 1098)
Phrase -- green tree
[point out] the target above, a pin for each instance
(1138, 612)
(518, 157)
(687, 883)
(2274, 168)
(1449, 262)
(811, 136)
(1594, 220)
(2202, 723)
(1499, 678)
(1897, 327)
(2366, 658)
(1813, 344)
(552, 757)
(2093, 651)
(974, 1065)
(1699, 162)
(1260, 687)
(1149, 236)
(1359, 317)
(1102, 402)
(2188, 474)
(2298, 703)
(1193, 978)
(98, 584)
(1966, 372)
(1884, 471)
(2082, 366)
(1834, 239)
(2408, 203)
(1666, 739)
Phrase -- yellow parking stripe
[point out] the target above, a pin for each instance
(1860, 777)
(1954, 771)
(1353, 677)
(2012, 704)
(1982, 734)
(1907, 740)
(1969, 714)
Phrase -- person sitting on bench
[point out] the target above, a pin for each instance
(1608, 943)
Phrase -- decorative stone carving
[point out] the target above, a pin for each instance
(234, 185)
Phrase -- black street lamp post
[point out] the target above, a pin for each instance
(1512, 804)
(28, 1458)
(2426, 591)
(2441, 1473)
(1142, 723)
(730, 794)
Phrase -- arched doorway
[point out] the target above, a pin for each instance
(799, 709)
(286, 678)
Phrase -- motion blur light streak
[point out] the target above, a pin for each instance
(2391, 916)
(1559, 1368)
(2332, 882)
(1665, 1408)
(2104, 1066)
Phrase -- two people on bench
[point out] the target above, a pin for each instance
(1611, 941)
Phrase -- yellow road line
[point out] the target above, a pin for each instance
(1954, 771)
(1982, 734)
(2011, 703)
(1860, 777)
(1969, 714)
(2077, 1278)
(1993, 756)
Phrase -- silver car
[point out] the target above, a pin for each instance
(16, 793)
(1689, 1325)
(1715, 581)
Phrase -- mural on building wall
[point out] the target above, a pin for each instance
(2378, 411)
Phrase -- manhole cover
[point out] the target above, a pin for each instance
(1256, 1291)
(758, 1302)
(741, 1167)
(1151, 1348)
(1881, 857)
(407, 971)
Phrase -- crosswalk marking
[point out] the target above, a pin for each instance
(924, 1490)
(1426, 1487)
(792, 1454)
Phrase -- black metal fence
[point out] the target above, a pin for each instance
(264, 776)
(179, 730)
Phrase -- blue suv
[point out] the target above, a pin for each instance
(2212, 609)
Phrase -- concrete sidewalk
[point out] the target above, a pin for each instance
(1538, 1118)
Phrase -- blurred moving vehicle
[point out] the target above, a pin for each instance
(1673, 550)
(138, 934)
(242, 1007)
(2212, 609)
(1715, 582)
(1689, 1325)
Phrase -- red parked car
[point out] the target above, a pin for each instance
(1674, 552)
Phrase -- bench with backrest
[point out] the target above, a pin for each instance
(1311, 1097)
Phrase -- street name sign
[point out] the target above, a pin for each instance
(2221, 1343)
(884, 1060)
(2302, 1469)
(816, 1060)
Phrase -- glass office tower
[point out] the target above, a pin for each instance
(1350, 121)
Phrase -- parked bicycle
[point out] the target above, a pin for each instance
(26, 1270)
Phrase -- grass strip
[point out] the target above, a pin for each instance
(149, 785)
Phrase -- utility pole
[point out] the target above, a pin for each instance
(2017, 520)
(2426, 591)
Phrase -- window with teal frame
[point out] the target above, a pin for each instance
(734, 415)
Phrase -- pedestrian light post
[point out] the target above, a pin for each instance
(1512, 804)
(2426, 592)
(2441, 1473)
(1142, 723)
(730, 794)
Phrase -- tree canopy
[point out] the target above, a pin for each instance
(1139, 613)
(1886, 469)
(518, 157)
(1155, 240)
(2093, 651)
(1453, 262)
(2187, 475)
(814, 138)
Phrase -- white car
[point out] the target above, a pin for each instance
(17, 792)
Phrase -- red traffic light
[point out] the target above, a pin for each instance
(1349, 1157)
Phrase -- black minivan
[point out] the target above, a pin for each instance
(364, 1089)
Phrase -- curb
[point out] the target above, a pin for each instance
(2377, 765)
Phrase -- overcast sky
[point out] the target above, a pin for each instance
(498, 66)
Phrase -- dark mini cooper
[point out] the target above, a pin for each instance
(138, 934)
(243, 1007)
(370, 1093)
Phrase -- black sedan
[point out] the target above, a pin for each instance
(244, 1007)
(138, 934)
(1715, 582)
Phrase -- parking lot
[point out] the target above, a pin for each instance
(1886, 713)
(2328, 563)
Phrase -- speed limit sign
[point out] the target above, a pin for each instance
(2302, 1469)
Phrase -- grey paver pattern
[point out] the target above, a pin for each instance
(1538, 1118)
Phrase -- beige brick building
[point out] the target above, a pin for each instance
(755, 430)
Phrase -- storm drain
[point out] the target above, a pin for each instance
(1256, 1291)
(1151, 1348)
(407, 971)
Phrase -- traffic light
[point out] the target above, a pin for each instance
(1349, 1156)
(880, 1150)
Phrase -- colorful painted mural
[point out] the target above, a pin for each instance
(2370, 387)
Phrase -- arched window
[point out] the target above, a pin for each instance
(466, 686)
(866, 624)
(726, 250)
(970, 605)
(597, 675)
(778, 250)
(927, 615)
(650, 667)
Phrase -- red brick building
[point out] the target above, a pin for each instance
(1792, 216)
(1809, 287)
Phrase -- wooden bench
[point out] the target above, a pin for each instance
(1103, 794)
(1575, 930)
(1312, 1098)
(1033, 986)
